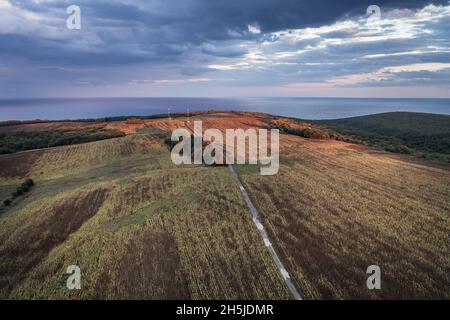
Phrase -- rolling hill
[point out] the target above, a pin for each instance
(420, 134)
(140, 227)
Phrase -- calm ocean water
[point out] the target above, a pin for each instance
(305, 108)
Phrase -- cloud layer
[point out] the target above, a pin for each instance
(224, 48)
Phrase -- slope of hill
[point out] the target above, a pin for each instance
(336, 208)
(140, 227)
(421, 134)
(22, 137)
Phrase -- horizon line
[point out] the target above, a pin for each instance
(242, 97)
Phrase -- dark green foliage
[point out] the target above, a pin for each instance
(420, 134)
(21, 141)
(107, 119)
(29, 182)
(23, 188)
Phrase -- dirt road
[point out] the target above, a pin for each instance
(262, 231)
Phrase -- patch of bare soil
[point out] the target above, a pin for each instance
(18, 164)
(33, 240)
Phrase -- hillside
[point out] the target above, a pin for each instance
(421, 134)
(140, 227)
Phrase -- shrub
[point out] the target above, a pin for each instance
(311, 133)
(337, 137)
(23, 188)
(315, 134)
(403, 149)
(7, 202)
(29, 182)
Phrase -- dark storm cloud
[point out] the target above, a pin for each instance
(156, 29)
(258, 42)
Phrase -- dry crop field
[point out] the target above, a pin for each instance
(137, 226)
(140, 227)
(334, 209)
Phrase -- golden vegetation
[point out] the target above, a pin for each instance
(334, 210)
(137, 226)
(140, 227)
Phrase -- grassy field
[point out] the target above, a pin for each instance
(140, 227)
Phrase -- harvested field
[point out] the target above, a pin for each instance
(208, 252)
(24, 245)
(334, 211)
(61, 161)
(234, 123)
(140, 227)
(156, 232)
(167, 125)
(127, 128)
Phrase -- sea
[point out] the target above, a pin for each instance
(303, 108)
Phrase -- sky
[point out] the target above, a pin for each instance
(224, 48)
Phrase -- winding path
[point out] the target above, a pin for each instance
(262, 231)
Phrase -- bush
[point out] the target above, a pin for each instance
(403, 149)
(29, 182)
(310, 133)
(23, 188)
(7, 202)
(315, 134)
(398, 149)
